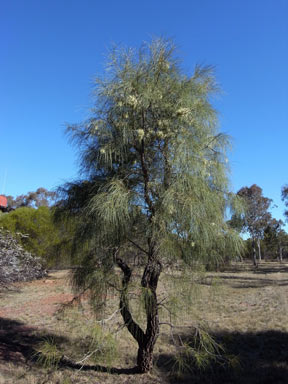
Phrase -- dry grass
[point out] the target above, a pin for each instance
(245, 310)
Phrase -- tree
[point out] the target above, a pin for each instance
(282, 242)
(285, 199)
(155, 180)
(40, 198)
(256, 217)
(275, 238)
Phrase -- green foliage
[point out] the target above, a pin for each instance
(100, 347)
(48, 355)
(274, 238)
(248, 248)
(40, 198)
(256, 216)
(41, 236)
(103, 347)
(183, 291)
(152, 141)
(284, 195)
(35, 223)
(199, 352)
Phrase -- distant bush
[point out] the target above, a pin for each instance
(42, 236)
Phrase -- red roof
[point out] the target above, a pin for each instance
(3, 201)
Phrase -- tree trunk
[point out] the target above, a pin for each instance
(146, 341)
(254, 254)
(145, 354)
(280, 253)
(259, 250)
(150, 282)
(146, 348)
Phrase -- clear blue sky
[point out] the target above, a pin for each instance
(52, 49)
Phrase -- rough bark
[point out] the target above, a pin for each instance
(129, 322)
(149, 281)
(146, 341)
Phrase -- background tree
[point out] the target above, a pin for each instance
(40, 198)
(42, 237)
(275, 239)
(155, 181)
(282, 242)
(285, 198)
(256, 217)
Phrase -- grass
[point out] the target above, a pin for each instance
(245, 311)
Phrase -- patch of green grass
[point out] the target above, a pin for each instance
(48, 354)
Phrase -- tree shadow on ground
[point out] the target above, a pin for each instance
(18, 345)
(243, 281)
(18, 341)
(248, 267)
(262, 358)
(253, 282)
(278, 268)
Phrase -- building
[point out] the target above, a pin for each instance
(3, 203)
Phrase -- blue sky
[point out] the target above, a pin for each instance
(50, 51)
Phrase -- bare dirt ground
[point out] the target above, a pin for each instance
(246, 310)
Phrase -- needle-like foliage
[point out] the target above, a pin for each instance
(156, 171)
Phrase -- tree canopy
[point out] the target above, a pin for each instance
(40, 198)
(256, 217)
(275, 238)
(154, 183)
(285, 198)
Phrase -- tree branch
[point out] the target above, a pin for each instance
(129, 322)
(146, 178)
(138, 246)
